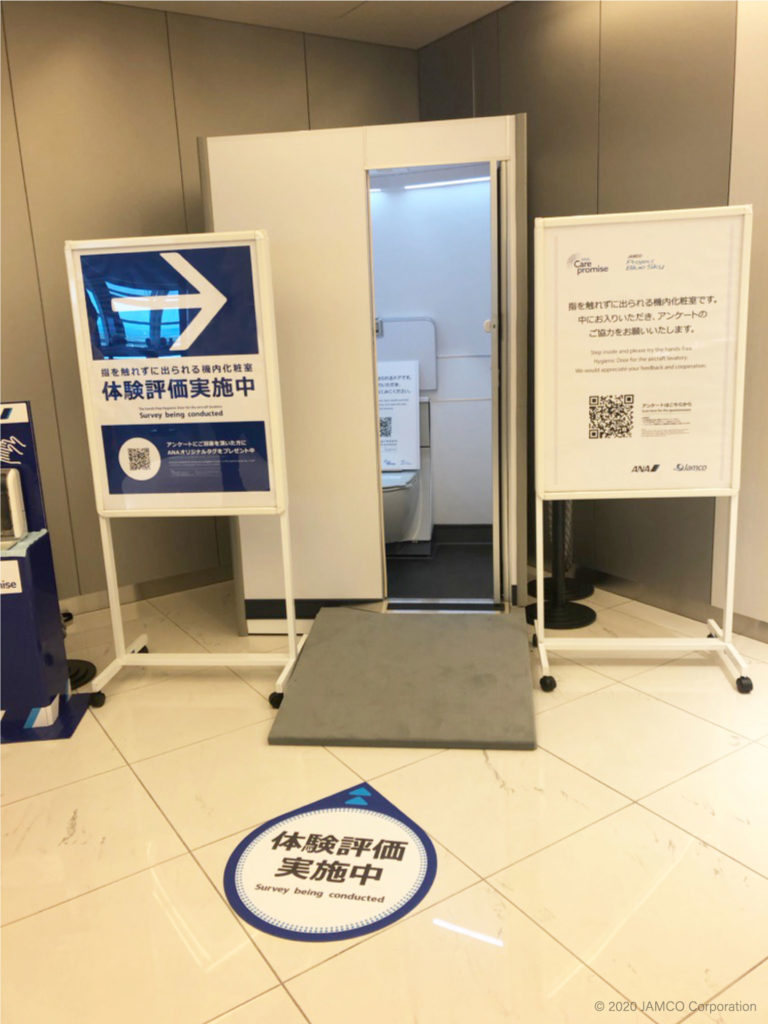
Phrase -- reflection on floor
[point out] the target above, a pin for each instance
(457, 564)
(623, 861)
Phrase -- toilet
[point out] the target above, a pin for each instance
(407, 494)
(401, 504)
(406, 478)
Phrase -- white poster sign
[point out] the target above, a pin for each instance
(399, 415)
(640, 333)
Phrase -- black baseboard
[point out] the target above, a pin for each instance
(469, 533)
(306, 608)
(443, 606)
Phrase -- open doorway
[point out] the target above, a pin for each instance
(432, 243)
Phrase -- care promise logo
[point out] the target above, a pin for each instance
(584, 265)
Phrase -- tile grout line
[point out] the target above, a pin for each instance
(701, 718)
(96, 888)
(725, 988)
(193, 743)
(190, 853)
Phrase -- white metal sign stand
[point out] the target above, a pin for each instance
(640, 350)
(181, 420)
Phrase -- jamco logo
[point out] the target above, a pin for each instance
(584, 265)
(637, 261)
(686, 467)
(646, 469)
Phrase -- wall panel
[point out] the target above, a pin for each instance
(445, 77)
(351, 84)
(97, 131)
(666, 97)
(486, 72)
(26, 371)
(749, 184)
(548, 56)
(231, 79)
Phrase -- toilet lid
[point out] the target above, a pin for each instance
(397, 481)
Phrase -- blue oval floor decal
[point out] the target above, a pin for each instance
(337, 868)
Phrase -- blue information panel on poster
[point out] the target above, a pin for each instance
(338, 868)
(175, 378)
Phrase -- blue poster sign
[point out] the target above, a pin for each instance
(335, 869)
(174, 361)
(186, 303)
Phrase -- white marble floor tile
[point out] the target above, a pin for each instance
(746, 1000)
(370, 762)
(209, 614)
(613, 623)
(699, 683)
(262, 678)
(616, 622)
(492, 808)
(274, 1007)
(725, 805)
(470, 958)
(618, 666)
(573, 681)
(652, 910)
(600, 598)
(669, 620)
(132, 613)
(220, 786)
(196, 704)
(159, 946)
(73, 839)
(40, 765)
(97, 646)
(751, 649)
(288, 958)
(630, 741)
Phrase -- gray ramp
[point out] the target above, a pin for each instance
(413, 680)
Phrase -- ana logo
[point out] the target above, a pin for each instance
(686, 467)
(646, 469)
(584, 265)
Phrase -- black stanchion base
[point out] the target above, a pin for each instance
(80, 672)
(563, 616)
(575, 590)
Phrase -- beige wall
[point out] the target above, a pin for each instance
(749, 184)
(102, 106)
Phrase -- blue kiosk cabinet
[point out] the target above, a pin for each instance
(34, 662)
(36, 701)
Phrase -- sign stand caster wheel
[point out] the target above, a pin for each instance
(547, 683)
(275, 699)
(97, 700)
(744, 684)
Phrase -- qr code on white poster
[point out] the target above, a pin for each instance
(611, 415)
(385, 426)
(138, 459)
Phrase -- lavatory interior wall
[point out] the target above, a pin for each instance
(431, 256)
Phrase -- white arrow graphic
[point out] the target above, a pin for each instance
(207, 299)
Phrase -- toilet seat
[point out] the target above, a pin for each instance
(398, 480)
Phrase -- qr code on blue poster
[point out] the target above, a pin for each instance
(138, 459)
(611, 415)
(385, 426)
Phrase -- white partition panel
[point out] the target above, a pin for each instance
(308, 191)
